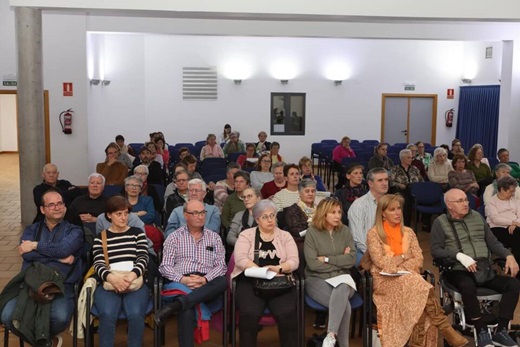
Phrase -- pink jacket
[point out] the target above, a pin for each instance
(245, 246)
(341, 152)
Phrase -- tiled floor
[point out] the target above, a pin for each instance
(11, 229)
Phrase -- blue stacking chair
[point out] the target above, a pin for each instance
(427, 198)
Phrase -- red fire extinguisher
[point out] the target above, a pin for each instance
(448, 117)
(66, 123)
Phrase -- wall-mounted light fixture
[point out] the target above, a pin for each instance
(105, 83)
(466, 81)
(284, 81)
(94, 82)
(238, 82)
(338, 82)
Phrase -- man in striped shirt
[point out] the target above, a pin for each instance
(194, 262)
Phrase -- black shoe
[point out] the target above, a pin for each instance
(321, 320)
(166, 312)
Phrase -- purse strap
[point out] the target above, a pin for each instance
(257, 247)
(105, 247)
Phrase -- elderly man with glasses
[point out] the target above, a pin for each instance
(211, 214)
(194, 263)
(463, 236)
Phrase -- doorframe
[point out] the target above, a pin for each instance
(45, 117)
(410, 96)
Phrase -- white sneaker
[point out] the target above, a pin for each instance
(329, 341)
(57, 341)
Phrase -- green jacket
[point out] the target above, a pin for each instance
(232, 205)
(476, 238)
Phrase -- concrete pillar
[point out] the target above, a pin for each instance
(31, 131)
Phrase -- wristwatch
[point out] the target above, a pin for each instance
(326, 259)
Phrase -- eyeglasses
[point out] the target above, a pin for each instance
(181, 180)
(195, 191)
(460, 201)
(53, 205)
(197, 213)
(268, 216)
(248, 196)
(130, 185)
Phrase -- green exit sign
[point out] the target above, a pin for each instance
(10, 83)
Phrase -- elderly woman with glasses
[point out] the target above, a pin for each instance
(263, 173)
(503, 214)
(141, 205)
(278, 253)
(244, 219)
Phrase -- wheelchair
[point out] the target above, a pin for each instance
(451, 301)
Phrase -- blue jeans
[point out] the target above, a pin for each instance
(109, 305)
(210, 294)
(359, 255)
(62, 308)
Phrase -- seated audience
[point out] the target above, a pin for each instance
(224, 137)
(234, 202)
(141, 205)
(460, 177)
(503, 215)
(342, 150)
(197, 191)
(439, 168)
(183, 152)
(503, 156)
(180, 195)
(123, 148)
(85, 208)
(150, 190)
(277, 252)
(125, 250)
(402, 177)
(422, 155)
(275, 153)
(113, 170)
(211, 149)
(392, 247)
(249, 159)
(456, 148)
(269, 189)
(153, 153)
(380, 158)
(170, 188)
(354, 188)
(305, 165)
(417, 162)
(244, 219)
(50, 175)
(191, 165)
(226, 187)
(162, 150)
(501, 170)
(193, 262)
(289, 195)
(234, 145)
(477, 241)
(155, 173)
(54, 243)
(263, 173)
(262, 145)
(330, 252)
(482, 172)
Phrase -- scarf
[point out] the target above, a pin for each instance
(394, 238)
(309, 211)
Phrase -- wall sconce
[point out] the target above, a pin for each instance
(284, 81)
(105, 83)
(338, 82)
(94, 82)
(466, 81)
(238, 82)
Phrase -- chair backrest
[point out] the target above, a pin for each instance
(112, 189)
(427, 193)
(234, 156)
(330, 142)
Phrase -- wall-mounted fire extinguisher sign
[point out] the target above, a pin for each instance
(448, 117)
(66, 121)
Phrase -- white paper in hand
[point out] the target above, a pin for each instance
(398, 273)
(336, 281)
(260, 272)
(303, 233)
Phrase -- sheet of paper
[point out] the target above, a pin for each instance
(259, 272)
(336, 281)
(398, 273)
(303, 233)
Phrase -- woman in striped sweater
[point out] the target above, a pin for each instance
(126, 250)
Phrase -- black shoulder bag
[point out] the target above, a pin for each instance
(268, 289)
(485, 270)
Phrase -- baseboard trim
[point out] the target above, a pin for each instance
(8, 152)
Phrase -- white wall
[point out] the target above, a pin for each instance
(8, 130)
(8, 61)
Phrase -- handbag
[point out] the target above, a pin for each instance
(485, 271)
(135, 285)
(274, 287)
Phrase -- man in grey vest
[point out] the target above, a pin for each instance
(476, 241)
